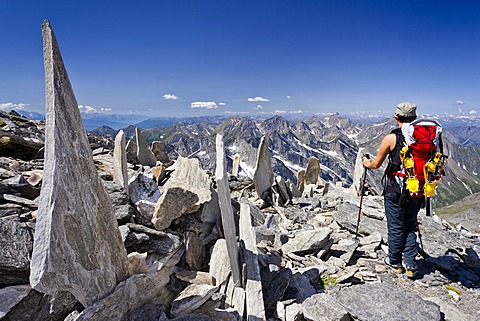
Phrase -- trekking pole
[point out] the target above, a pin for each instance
(361, 197)
(422, 252)
(420, 236)
(428, 211)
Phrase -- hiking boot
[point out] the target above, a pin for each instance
(410, 270)
(396, 267)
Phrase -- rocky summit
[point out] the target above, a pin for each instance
(89, 233)
(297, 258)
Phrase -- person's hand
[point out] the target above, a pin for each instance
(366, 161)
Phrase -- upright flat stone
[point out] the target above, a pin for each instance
(293, 189)
(236, 165)
(77, 245)
(282, 189)
(301, 180)
(263, 176)
(194, 250)
(253, 286)
(219, 267)
(312, 171)
(158, 149)
(358, 173)
(226, 210)
(144, 155)
(120, 174)
(131, 150)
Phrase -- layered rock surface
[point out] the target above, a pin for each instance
(77, 246)
(310, 264)
(294, 257)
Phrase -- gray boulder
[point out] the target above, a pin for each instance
(308, 240)
(120, 201)
(347, 216)
(143, 187)
(10, 296)
(383, 302)
(324, 307)
(190, 176)
(36, 306)
(16, 244)
(173, 203)
(144, 154)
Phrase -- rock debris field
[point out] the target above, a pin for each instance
(98, 230)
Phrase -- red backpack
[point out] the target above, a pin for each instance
(422, 158)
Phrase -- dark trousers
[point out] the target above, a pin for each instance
(401, 223)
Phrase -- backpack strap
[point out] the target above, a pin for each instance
(440, 143)
(394, 163)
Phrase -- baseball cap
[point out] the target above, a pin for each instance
(406, 109)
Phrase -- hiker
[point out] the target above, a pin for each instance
(401, 210)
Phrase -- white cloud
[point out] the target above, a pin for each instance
(288, 97)
(237, 112)
(472, 112)
(258, 99)
(170, 96)
(221, 104)
(11, 106)
(280, 111)
(92, 110)
(296, 111)
(204, 104)
(258, 107)
(460, 102)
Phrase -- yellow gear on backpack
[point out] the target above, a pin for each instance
(433, 171)
(412, 183)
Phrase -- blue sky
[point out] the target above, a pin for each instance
(190, 58)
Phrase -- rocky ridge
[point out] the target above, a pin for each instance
(193, 245)
(333, 139)
(311, 265)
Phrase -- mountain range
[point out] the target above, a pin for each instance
(333, 139)
(309, 251)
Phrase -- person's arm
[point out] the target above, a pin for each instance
(387, 144)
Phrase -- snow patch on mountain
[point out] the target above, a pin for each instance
(249, 171)
(319, 151)
(467, 187)
(289, 165)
